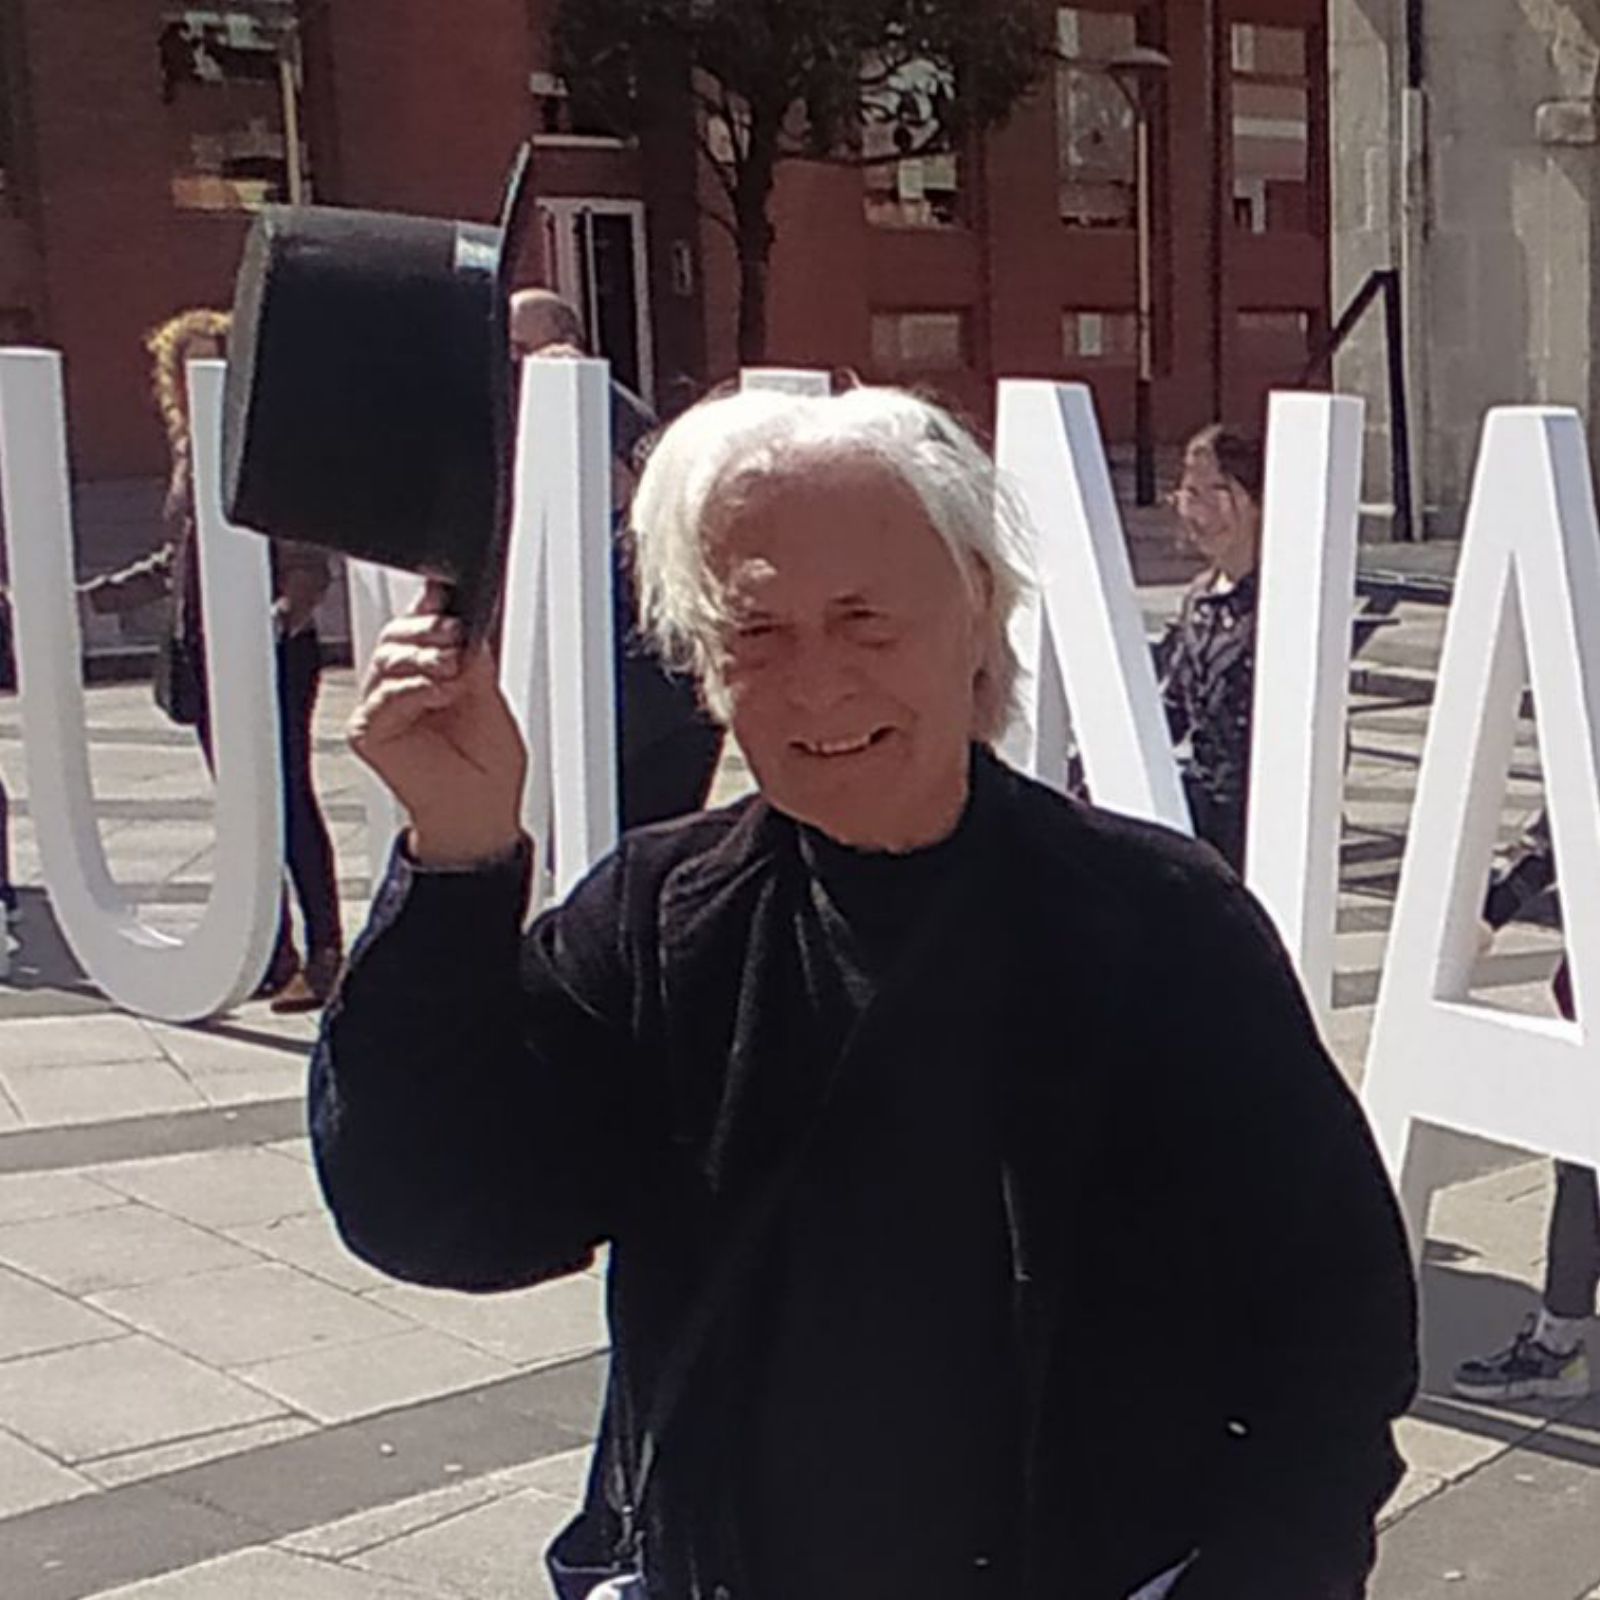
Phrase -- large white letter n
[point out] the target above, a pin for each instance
(138, 966)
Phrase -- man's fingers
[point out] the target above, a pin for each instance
(394, 707)
(434, 601)
(420, 627)
(396, 659)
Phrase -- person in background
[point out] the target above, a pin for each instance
(668, 748)
(300, 578)
(1546, 1360)
(10, 904)
(1206, 659)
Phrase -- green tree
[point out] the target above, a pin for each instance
(778, 80)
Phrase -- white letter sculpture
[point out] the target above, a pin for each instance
(557, 660)
(377, 596)
(1438, 1059)
(139, 967)
(1084, 641)
(556, 667)
(1308, 573)
(1084, 621)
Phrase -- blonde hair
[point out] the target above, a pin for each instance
(706, 451)
(169, 346)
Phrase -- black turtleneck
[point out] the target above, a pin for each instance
(883, 1382)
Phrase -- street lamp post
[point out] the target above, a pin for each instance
(1132, 71)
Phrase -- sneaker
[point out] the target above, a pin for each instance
(1526, 1371)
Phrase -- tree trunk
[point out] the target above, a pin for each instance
(755, 238)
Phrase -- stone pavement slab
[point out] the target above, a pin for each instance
(549, 1323)
(258, 1496)
(56, 1093)
(34, 1319)
(35, 1043)
(356, 1380)
(309, 1241)
(493, 1552)
(218, 1188)
(243, 1316)
(1525, 1525)
(118, 1395)
(91, 1251)
(30, 1479)
(28, 1196)
(161, 1460)
(267, 1574)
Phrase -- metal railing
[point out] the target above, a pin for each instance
(1384, 284)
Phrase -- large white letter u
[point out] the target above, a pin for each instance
(140, 967)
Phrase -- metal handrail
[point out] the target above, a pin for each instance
(1384, 283)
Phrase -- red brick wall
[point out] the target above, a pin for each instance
(429, 101)
(426, 103)
(117, 258)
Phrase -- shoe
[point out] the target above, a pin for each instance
(284, 970)
(1526, 1371)
(312, 986)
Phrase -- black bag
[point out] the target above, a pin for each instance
(179, 681)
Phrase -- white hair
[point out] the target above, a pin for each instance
(709, 449)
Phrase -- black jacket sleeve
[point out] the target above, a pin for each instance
(1316, 1351)
(472, 1093)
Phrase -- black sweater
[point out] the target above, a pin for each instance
(1210, 1292)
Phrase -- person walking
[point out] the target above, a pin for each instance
(300, 579)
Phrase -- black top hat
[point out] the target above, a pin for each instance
(369, 393)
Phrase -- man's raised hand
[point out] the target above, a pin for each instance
(433, 725)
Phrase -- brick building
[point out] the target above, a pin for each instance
(137, 135)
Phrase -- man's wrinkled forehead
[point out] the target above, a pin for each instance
(772, 473)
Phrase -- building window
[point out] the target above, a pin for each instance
(1100, 338)
(1271, 129)
(1275, 342)
(231, 80)
(902, 115)
(562, 119)
(910, 342)
(1094, 120)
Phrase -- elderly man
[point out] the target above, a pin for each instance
(948, 1257)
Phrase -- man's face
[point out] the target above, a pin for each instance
(851, 653)
(1210, 505)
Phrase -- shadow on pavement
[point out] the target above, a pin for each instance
(45, 979)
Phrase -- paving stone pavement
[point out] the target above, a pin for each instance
(204, 1397)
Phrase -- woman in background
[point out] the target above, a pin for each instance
(300, 578)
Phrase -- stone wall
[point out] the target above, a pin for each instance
(1504, 287)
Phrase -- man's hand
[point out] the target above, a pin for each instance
(434, 726)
